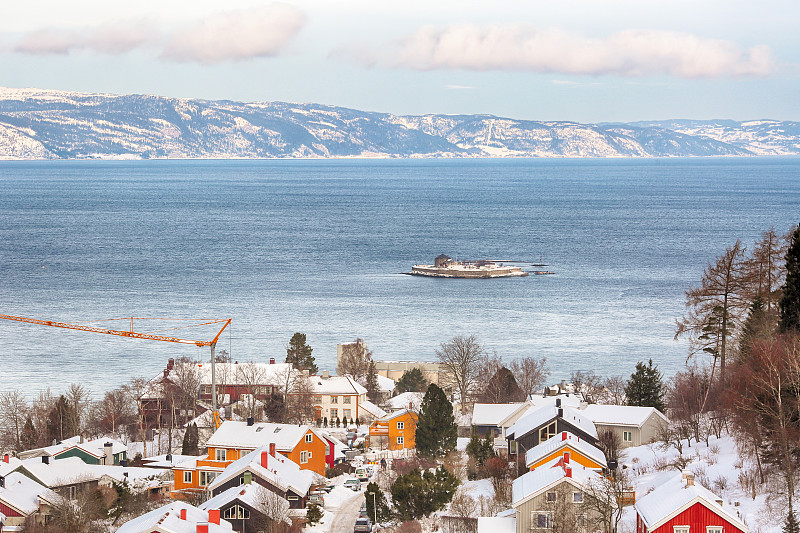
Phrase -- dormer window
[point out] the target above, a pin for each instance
(259, 428)
(277, 430)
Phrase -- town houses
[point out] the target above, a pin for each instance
(249, 473)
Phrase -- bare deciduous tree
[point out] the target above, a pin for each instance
(614, 390)
(13, 412)
(354, 360)
(530, 373)
(605, 498)
(251, 377)
(588, 383)
(462, 358)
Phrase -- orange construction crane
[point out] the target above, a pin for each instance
(136, 335)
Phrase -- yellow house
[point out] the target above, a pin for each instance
(568, 446)
(395, 431)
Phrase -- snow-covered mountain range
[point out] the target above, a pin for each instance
(45, 124)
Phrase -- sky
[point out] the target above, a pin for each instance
(576, 60)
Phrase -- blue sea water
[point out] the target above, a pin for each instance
(319, 247)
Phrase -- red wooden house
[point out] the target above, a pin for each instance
(681, 506)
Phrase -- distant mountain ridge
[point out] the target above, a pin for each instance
(45, 124)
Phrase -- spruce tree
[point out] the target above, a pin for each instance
(790, 298)
(191, 441)
(29, 436)
(313, 514)
(436, 427)
(298, 353)
(645, 388)
(373, 389)
(412, 381)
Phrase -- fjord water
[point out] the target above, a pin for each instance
(319, 247)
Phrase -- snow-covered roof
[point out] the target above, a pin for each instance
(404, 400)
(167, 519)
(533, 483)
(493, 414)
(94, 447)
(371, 409)
(394, 415)
(57, 473)
(281, 471)
(386, 384)
(563, 440)
(7, 467)
(337, 385)
(255, 496)
(621, 415)
(160, 461)
(206, 419)
(497, 524)
(233, 434)
(537, 417)
(567, 400)
(23, 494)
(675, 496)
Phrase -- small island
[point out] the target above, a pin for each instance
(445, 267)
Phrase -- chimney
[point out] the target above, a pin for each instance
(566, 457)
(169, 457)
(5, 458)
(81, 440)
(183, 514)
(109, 456)
(250, 421)
(272, 449)
(558, 402)
(170, 363)
(202, 527)
(563, 435)
(213, 516)
(560, 413)
(326, 374)
(265, 457)
(46, 459)
(125, 474)
(272, 360)
(306, 373)
(568, 472)
(2, 482)
(563, 384)
(689, 479)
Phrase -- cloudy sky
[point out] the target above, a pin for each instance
(582, 60)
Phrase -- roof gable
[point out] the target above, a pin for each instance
(280, 471)
(562, 441)
(234, 434)
(537, 418)
(622, 415)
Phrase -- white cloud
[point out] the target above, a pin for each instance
(236, 35)
(114, 38)
(631, 53)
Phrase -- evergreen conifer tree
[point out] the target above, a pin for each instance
(298, 353)
(790, 298)
(412, 381)
(645, 388)
(29, 436)
(313, 514)
(344, 421)
(436, 427)
(191, 441)
(373, 389)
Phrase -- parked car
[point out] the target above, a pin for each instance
(362, 513)
(317, 497)
(363, 525)
(362, 474)
(352, 484)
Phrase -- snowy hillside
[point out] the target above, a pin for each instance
(42, 124)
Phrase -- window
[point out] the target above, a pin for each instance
(547, 432)
(346, 413)
(309, 438)
(541, 520)
(73, 492)
(400, 441)
(317, 399)
(551, 496)
(236, 512)
(206, 477)
(334, 413)
(713, 529)
(221, 454)
(187, 477)
(680, 529)
(401, 425)
(345, 399)
(303, 457)
(577, 497)
(580, 520)
(627, 436)
(334, 399)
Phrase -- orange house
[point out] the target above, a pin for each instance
(395, 431)
(571, 447)
(233, 440)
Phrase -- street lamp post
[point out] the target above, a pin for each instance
(375, 509)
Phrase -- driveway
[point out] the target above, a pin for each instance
(346, 515)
